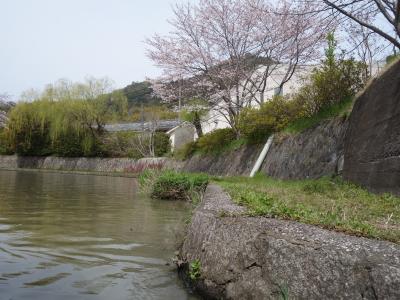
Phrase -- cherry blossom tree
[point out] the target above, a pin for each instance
(226, 50)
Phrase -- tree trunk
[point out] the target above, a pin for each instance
(197, 124)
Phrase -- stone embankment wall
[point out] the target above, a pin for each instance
(316, 152)
(83, 164)
(232, 163)
(260, 258)
(372, 146)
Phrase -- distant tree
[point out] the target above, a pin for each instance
(66, 118)
(194, 113)
(5, 103)
(29, 95)
(190, 95)
(139, 93)
(145, 142)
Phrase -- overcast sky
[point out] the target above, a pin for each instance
(44, 40)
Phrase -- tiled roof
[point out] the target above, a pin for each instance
(163, 125)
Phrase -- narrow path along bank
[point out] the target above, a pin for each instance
(242, 257)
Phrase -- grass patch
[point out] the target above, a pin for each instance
(340, 109)
(328, 202)
(194, 270)
(171, 185)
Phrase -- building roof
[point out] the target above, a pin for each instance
(185, 123)
(163, 125)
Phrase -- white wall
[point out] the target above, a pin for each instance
(181, 135)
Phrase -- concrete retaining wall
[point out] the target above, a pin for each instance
(109, 165)
(372, 147)
(260, 258)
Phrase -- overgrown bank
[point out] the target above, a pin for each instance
(327, 202)
(315, 152)
(230, 255)
(264, 244)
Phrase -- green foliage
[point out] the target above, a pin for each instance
(124, 144)
(138, 113)
(284, 290)
(66, 120)
(162, 144)
(256, 125)
(195, 270)
(186, 151)
(337, 80)
(328, 202)
(340, 109)
(326, 94)
(47, 127)
(216, 141)
(392, 58)
(140, 93)
(171, 185)
(5, 147)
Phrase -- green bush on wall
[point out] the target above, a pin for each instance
(257, 124)
(216, 141)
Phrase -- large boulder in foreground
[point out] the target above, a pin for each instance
(372, 143)
(259, 258)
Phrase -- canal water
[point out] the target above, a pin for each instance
(67, 236)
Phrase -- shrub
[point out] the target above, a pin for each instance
(216, 141)
(339, 109)
(195, 270)
(49, 127)
(171, 185)
(133, 144)
(118, 144)
(256, 125)
(186, 151)
(337, 80)
(392, 58)
(31, 139)
(5, 147)
(70, 144)
(162, 144)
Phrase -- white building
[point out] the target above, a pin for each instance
(181, 135)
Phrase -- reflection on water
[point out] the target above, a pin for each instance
(65, 236)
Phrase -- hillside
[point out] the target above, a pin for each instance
(6, 105)
(140, 93)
